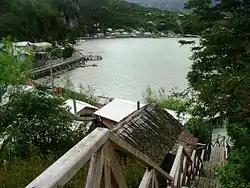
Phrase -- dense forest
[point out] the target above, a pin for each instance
(56, 20)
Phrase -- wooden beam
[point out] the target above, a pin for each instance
(59, 173)
(146, 179)
(138, 155)
(107, 170)
(117, 171)
(95, 169)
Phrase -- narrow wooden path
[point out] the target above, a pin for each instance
(217, 157)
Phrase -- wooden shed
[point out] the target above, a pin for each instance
(80, 108)
(151, 130)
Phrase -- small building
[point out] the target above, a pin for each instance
(151, 130)
(116, 110)
(80, 108)
(41, 46)
(22, 44)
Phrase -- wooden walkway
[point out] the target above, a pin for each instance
(217, 157)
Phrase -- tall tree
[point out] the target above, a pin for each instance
(221, 77)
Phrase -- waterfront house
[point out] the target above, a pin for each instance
(80, 108)
(41, 46)
(116, 110)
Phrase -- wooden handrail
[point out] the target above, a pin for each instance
(59, 173)
(185, 168)
(99, 146)
(139, 156)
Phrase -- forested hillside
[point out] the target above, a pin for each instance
(56, 20)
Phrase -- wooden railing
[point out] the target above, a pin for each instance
(186, 168)
(220, 141)
(104, 170)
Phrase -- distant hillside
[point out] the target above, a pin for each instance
(174, 5)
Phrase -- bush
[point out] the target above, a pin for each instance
(172, 102)
(200, 128)
(68, 52)
(35, 121)
(20, 172)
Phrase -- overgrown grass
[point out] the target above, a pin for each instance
(16, 172)
(172, 101)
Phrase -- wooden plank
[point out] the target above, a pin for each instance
(138, 155)
(146, 179)
(59, 173)
(117, 171)
(95, 170)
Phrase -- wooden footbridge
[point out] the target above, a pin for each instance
(99, 152)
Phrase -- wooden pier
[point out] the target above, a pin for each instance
(61, 64)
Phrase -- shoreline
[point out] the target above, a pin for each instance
(135, 37)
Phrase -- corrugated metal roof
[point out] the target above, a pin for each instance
(79, 105)
(117, 109)
(183, 117)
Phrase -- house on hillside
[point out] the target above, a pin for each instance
(41, 46)
(116, 110)
(80, 108)
(113, 111)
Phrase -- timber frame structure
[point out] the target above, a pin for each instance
(104, 170)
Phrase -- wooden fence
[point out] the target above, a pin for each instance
(104, 170)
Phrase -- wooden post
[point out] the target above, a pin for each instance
(107, 170)
(95, 169)
(59, 173)
(116, 170)
(146, 179)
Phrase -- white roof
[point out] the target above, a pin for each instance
(41, 44)
(79, 105)
(22, 44)
(182, 118)
(117, 109)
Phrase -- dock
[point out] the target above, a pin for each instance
(62, 64)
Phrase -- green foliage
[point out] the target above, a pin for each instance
(68, 52)
(35, 121)
(172, 102)
(58, 20)
(20, 172)
(14, 70)
(85, 94)
(200, 128)
(220, 77)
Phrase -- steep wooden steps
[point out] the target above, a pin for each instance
(208, 181)
(204, 182)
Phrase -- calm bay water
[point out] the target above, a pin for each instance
(129, 66)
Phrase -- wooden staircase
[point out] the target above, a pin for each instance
(217, 157)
